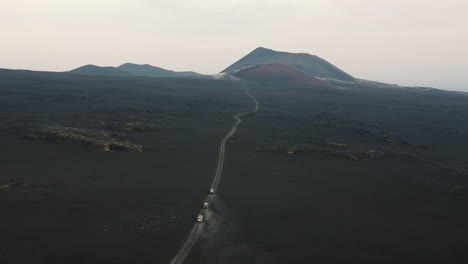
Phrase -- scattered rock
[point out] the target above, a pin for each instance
(359, 155)
(133, 126)
(148, 222)
(14, 185)
(338, 149)
(325, 142)
(102, 140)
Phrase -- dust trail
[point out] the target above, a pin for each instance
(222, 239)
(198, 227)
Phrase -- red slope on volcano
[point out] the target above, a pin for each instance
(278, 72)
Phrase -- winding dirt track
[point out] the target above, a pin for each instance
(197, 227)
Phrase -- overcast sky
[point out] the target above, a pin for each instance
(408, 42)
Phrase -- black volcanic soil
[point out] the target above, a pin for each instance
(318, 175)
(346, 176)
(70, 202)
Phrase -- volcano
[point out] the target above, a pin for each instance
(309, 64)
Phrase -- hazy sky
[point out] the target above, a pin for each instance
(409, 42)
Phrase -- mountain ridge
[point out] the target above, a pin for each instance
(147, 70)
(132, 69)
(91, 69)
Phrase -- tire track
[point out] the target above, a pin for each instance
(198, 227)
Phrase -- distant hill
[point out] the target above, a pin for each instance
(310, 64)
(97, 70)
(147, 70)
(130, 69)
(277, 72)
